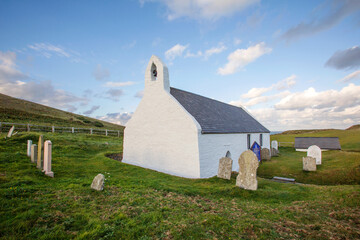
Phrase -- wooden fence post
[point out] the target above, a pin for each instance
(118, 133)
(106, 132)
(53, 129)
(28, 127)
(91, 131)
(0, 127)
(72, 130)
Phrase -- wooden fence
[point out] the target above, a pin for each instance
(5, 127)
(286, 144)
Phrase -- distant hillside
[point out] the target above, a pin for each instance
(349, 138)
(22, 111)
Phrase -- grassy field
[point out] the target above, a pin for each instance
(16, 110)
(338, 167)
(139, 203)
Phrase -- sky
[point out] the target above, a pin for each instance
(291, 64)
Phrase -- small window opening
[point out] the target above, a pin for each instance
(248, 141)
(261, 140)
(153, 72)
(228, 154)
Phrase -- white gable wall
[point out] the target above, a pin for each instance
(212, 147)
(162, 135)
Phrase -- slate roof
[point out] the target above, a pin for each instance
(328, 143)
(215, 116)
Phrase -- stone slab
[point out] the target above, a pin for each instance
(265, 154)
(309, 164)
(315, 152)
(225, 168)
(248, 165)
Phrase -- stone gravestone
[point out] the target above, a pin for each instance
(47, 158)
(98, 182)
(315, 152)
(40, 152)
(309, 164)
(274, 148)
(225, 167)
(11, 131)
(248, 164)
(34, 152)
(28, 152)
(265, 154)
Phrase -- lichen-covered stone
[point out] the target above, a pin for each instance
(248, 164)
(309, 164)
(265, 154)
(225, 167)
(98, 182)
(274, 152)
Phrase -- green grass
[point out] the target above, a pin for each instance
(16, 110)
(338, 167)
(139, 203)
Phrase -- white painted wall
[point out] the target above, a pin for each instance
(162, 135)
(212, 147)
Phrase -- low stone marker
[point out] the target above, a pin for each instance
(274, 152)
(40, 152)
(265, 154)
(248, 164)
(34, 152)
(274, 144)
(47, 158)
(98, 182)
(28, 152)
(309, 164)
(225, 167)
(11, 131)
(315, 152)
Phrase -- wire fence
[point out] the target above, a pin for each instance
(23, 127)
(286, 144)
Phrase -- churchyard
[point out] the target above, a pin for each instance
(138, 203)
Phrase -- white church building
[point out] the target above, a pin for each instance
(185, 134)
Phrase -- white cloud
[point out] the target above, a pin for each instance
(42, 92)
(175, 51)
(101, 73)
(351, 76)
(241, 57)
(333, 100)
(237, 41)
(255, 92)
(119, 84)
(204, 9)
(214, 50)
(114, 94)
(47, 50)
(307, 109)
(117, 118)
(193, 55)
(286, 83)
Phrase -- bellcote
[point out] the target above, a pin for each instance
(156, 75)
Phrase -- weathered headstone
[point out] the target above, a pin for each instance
(34, 153)
(274, 152)
(248, 164)
(315, 152)
(274, 144)
(309, 164)
(265, 154)
(225, 167)
(11, 131)
(98, 182)
(28, 152)
(47, 158)
(40, 152)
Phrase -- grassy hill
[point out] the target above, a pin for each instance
(139, 203)
(22, 111)
(338, 167)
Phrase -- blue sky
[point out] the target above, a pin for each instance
(292, 64)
